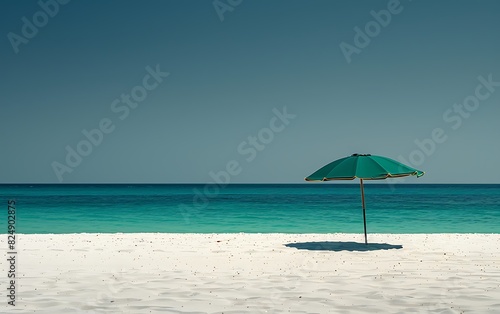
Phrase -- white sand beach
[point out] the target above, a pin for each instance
(255, 273)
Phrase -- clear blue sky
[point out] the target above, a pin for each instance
(226, 77)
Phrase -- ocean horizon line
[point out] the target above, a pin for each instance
(235, 208)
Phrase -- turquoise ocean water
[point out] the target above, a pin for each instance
(284, 208)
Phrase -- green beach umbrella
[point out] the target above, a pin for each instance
(364, 167)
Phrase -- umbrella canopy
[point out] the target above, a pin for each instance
(364, 167)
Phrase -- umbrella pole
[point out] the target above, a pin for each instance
(364, 209)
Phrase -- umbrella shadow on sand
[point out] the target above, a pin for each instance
(343, 246)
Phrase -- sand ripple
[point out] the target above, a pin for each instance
(257, 273)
